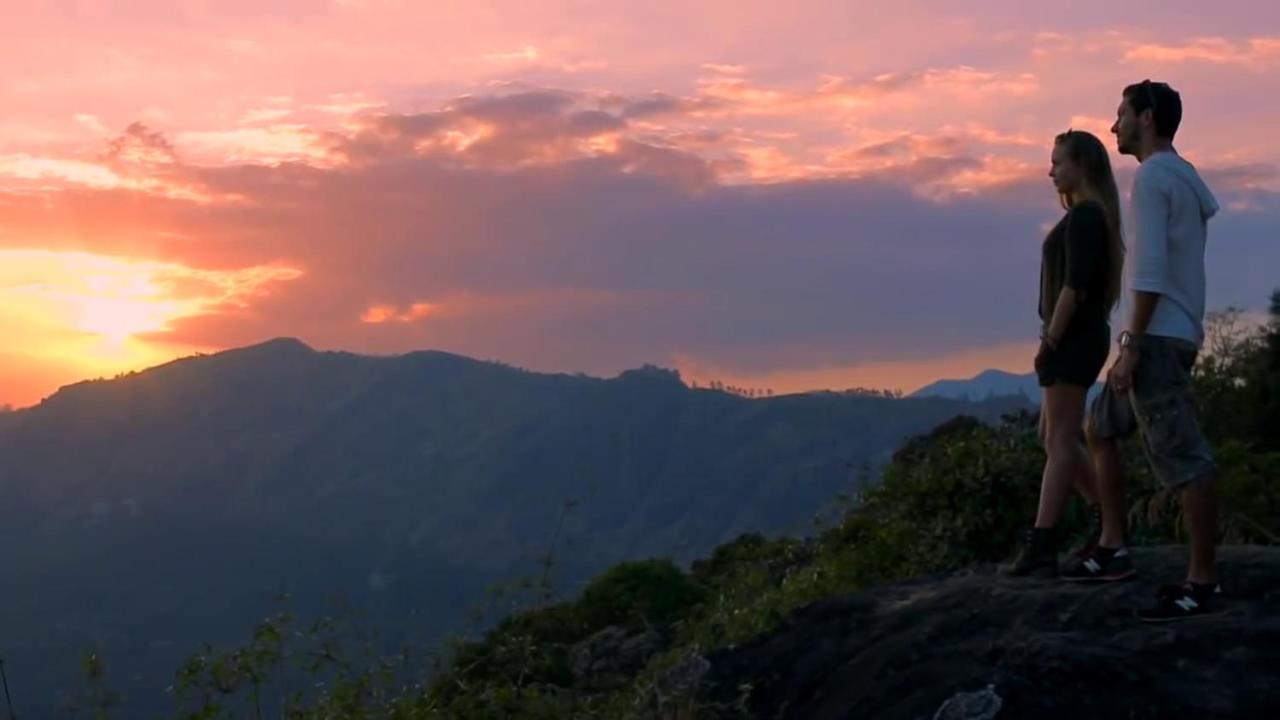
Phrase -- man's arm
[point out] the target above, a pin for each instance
(1121, 375)
(1150, 248)
(1144, 306)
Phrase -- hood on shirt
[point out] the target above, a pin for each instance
(1180, 168)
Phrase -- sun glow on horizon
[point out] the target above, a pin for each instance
(905, 375)
(95, 315)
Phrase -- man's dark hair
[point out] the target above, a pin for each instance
(1164, 102)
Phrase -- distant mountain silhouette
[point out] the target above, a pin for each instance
(142, 515)
(988, 384)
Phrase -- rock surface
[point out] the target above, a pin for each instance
(612, 654)
(1036, 648)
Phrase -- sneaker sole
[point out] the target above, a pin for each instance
(1180, 618)
(1116, 577)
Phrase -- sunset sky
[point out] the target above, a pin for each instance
(787, 195)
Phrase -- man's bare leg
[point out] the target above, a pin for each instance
(1111, 488)
(1200, 508)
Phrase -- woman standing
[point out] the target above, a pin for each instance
(1079, 286)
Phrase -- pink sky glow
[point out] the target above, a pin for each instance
(793, 196)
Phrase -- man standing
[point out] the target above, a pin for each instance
(1148, 388)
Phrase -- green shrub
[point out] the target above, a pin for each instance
(638, 594)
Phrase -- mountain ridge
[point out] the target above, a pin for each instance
(407, 482)
(987, 384)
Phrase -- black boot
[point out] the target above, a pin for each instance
(1039, 556)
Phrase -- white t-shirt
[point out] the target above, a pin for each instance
(1170, 207)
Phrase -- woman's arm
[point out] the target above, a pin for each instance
(1086, 240)
(1063, 309)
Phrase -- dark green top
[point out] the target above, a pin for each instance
(1075, 255)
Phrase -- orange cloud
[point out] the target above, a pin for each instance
(24, 167)
(379, 314)
(990, 171)
(347, 104)
(540, 128)
(528, 53)
(937, 165)
(1099, 126)
(260, 115)
(1254, 53)
(725, 69)
(835, 93)
(31, 173)
(532, 56)
(265, 145)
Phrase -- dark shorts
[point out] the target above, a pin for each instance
(1079, 358)
(1160, 407)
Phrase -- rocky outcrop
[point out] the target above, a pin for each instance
(978, 645)
(612, 654)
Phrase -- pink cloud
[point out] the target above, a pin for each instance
(531, 56)
(269, 144)
(725, 69)
(960, 84)
(1256, 53)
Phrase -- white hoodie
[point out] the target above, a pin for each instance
(1171, 207)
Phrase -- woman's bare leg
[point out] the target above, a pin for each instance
(1067, 464)
(1086, 483)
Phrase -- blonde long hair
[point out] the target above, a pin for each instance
(1090, 155)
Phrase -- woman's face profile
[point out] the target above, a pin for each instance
(1064, 172)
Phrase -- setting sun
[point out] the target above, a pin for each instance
(81, 314)
(119, 318)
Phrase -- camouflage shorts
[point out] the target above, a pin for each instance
(1160, 406)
